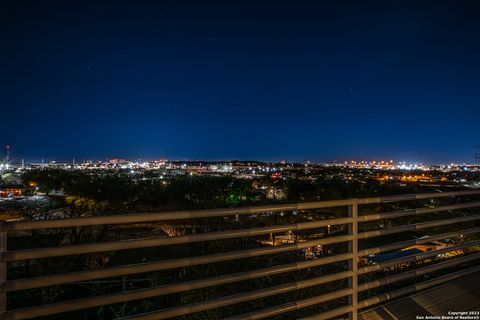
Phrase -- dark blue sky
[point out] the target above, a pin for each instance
(271, 80)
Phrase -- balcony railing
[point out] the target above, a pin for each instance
(351, 293)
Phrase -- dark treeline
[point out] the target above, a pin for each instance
(113, 192)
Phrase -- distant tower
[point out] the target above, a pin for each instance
(7, 148)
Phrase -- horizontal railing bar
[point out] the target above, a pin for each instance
(415, 257)
(208, 213)
(296, 305)
(416, 226)
(239, 298)
(416, 196)
(417, 272)
(36, 253)
(404, 244)
(330, 313)
(167, 215)
(146, 293)
(417, 287)
(50, 280)
(411, 212)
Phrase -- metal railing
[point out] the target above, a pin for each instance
(351, 292)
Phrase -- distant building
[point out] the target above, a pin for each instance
(11, 191)
(117, 161)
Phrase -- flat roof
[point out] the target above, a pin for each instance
(459, 295)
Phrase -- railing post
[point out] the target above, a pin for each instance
(3, 270)
(353, 264)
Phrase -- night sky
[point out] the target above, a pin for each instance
(271, 80)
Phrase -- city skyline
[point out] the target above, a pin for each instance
(18, 160)
(294, 82)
